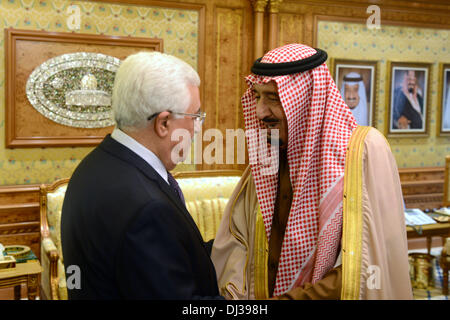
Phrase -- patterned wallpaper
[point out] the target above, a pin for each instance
(343, 40)
(177, 27)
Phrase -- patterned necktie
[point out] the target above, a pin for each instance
(174, 184)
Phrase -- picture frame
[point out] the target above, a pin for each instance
(357, 81)
(407, 99)
(443, 114)
(25, 52)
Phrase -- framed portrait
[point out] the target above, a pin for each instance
(444, 101)
(407, 105)
(356, 81)
(59, 85)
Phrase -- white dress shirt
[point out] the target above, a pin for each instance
(141, 151)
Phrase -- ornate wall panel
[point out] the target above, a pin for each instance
(291, 28)
(227, 62)
(228, 67)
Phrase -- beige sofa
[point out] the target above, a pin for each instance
(206, 194)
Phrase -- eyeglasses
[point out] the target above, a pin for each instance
(199, 117)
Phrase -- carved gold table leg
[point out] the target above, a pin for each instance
(32, 286)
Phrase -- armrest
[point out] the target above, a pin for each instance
(51, 253)
(62, 285)
(49, 246)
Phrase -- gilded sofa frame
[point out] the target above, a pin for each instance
(52, 255)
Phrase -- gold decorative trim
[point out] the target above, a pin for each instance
(274, 6)
(206, 174)
(239, 238)
(52, 255)
(261, 257)
(352, 216)
(259, 5)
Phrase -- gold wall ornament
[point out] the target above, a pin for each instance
(88, 95)
(274, 6)
(259, 5)
(74, 89)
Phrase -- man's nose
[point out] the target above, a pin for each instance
(262, 111)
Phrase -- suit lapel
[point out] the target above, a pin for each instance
(118, 150)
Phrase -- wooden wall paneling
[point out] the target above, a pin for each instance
(422, 188)
(19, 213)
(227, 61)
(274, 9)
(259, 6)
(291, 28)
(18, 194)
(19, 216)
(228, 69)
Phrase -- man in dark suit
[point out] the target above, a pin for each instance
(124, 222)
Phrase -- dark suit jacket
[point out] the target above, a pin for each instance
(129, 233)
(404, 108)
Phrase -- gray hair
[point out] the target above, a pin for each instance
(148, 83)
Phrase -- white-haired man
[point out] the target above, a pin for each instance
(124, 221)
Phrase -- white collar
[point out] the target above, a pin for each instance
(414, 103)
(141, 151)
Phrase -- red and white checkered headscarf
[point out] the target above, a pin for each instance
(319, 128)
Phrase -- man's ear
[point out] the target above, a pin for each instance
(161, 124)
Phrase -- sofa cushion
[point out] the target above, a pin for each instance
(207, 214)
(207, 187)
(206, 198)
